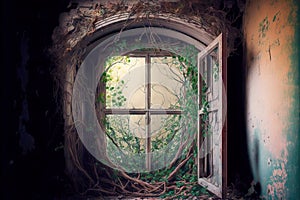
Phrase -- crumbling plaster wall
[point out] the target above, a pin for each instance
(271, 29)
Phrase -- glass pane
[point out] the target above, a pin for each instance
(214, 57)
(125, 146)
(163, 130)
(125, 82)
(210, 148)
(210, 74)
(166, 82)
(167, 137)
(127, 132)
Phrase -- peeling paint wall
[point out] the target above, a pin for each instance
(271, 29)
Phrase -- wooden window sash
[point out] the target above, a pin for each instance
(207, 163)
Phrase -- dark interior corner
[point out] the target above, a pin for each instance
(32, 162)
(239, 171)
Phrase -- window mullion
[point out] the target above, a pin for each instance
(148, 106)
(120, 111)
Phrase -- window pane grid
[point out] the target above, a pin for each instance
(153, 106)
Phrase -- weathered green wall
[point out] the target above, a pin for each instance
(271, 29)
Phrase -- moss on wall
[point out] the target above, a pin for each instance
(271, 31)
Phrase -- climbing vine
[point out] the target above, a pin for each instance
(179, 179)
(70, 40)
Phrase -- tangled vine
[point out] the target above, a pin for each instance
(90, 177)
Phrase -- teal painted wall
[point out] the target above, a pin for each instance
(293, 165)
(272, 30)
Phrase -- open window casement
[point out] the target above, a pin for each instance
(212, 123)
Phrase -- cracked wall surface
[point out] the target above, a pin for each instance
(271, 31)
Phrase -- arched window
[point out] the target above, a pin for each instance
(156, 87)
